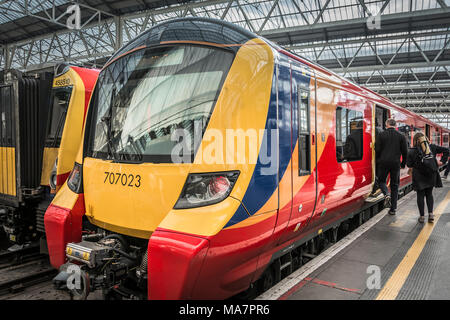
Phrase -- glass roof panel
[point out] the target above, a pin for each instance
(11, 10)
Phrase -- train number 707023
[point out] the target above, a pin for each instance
(129, 180)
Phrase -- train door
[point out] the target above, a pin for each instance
(303, 156)
(428, 131)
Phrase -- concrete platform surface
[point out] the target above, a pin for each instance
(395, 258)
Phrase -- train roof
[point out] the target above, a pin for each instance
(208, 30)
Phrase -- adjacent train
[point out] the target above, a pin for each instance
(164, 203)
(42, 122)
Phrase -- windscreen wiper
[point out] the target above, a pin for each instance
(59, 127)
(106, 120)
(108, 132)
(132, 144)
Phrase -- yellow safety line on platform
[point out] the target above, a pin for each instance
(398, 278)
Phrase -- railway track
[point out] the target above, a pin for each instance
(23, 268)
(31, 279)
(19, 256)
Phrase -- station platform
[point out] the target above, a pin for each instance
(386, 258)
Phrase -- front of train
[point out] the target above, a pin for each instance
(71, 92)
(151, 206)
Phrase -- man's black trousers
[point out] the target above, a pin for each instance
(394, 172)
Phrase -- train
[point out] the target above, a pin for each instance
(43, 115)
(163, 202)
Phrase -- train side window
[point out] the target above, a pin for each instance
(381, 115)
(405, 129)
(349, 135)
(304, 159)
(445, 140)
(436, 137)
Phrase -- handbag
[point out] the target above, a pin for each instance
(428, 161)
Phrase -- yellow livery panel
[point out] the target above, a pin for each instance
(125, 194)
(238, 108)
(8, 171)
(48, 162)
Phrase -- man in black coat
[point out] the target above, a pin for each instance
(447, 168)
(389, 147)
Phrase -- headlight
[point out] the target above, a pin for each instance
(202, 189)
(53, 175)
(53, 180)
(75, 181)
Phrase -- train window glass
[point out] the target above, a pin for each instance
(304, 132)
(349, 135)
(60, 102)
(380, 117)
(436, 138)
(146, 99)
(445, 140)
(6, 117)
(406, 131)
(303, 111)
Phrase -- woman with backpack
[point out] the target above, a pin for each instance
(425, 172)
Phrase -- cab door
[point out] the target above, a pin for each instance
(303, 157)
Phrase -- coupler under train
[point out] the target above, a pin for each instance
(104, 262)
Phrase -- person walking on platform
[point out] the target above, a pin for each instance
(425, 172)
(389, 147)
(447, 168)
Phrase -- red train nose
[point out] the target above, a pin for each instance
(174, 263)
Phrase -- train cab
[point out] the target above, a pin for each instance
(71, 90)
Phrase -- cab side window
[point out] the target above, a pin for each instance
(304, 157)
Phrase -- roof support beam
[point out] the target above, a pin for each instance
(393, 66)
(336, 24)
(346, 42)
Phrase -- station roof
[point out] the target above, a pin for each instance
(406, 57)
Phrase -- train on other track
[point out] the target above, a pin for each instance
(162, 201)
(42, 118)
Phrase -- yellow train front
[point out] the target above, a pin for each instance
(155, 200)
(71, 91)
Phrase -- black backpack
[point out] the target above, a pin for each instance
(428, 161)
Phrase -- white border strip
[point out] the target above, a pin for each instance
(293, 279)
